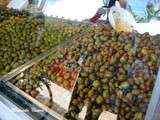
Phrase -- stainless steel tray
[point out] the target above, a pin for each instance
(7, 79)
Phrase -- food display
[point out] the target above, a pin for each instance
(8, 13)
(65, 76)
(118, 74)
(22, 38)
(104, 70)
(113, 72)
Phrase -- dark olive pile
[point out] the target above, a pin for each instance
(5, 14)
(117, 73)
(22, 38)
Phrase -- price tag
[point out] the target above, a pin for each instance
(61, 96)
(107, 116)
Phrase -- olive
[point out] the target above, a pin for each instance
(90, 93)
(138, 116)
(74, 102)
(99, 100)
(80, 81)
(34, 93)
(81, 87)
(96, 83)
(122, 77)
(105, 93)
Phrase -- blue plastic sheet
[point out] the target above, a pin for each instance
(141, 11)
(138, 7)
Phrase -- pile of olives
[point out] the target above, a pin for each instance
(117, 74)
(22, 38)
(6, 13)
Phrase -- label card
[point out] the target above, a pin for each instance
(107, 116)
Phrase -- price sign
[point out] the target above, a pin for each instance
(107, 116)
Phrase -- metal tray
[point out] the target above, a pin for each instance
(7, 79)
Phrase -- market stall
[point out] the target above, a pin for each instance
(56, 68)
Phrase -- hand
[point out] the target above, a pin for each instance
(101, 11)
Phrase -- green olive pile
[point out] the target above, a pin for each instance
(117, 73)
(23, 38)
(19, 43)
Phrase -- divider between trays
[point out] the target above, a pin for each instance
(153, 110)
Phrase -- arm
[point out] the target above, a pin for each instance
(101, 11)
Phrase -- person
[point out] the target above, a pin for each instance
(105, 9)
(123, 3)
(33, 1)
(150, 10)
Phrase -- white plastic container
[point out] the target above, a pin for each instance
(18, 4)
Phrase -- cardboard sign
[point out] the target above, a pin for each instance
(107, 116)
(61, 96)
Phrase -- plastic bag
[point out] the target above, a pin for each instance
(121, 19)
